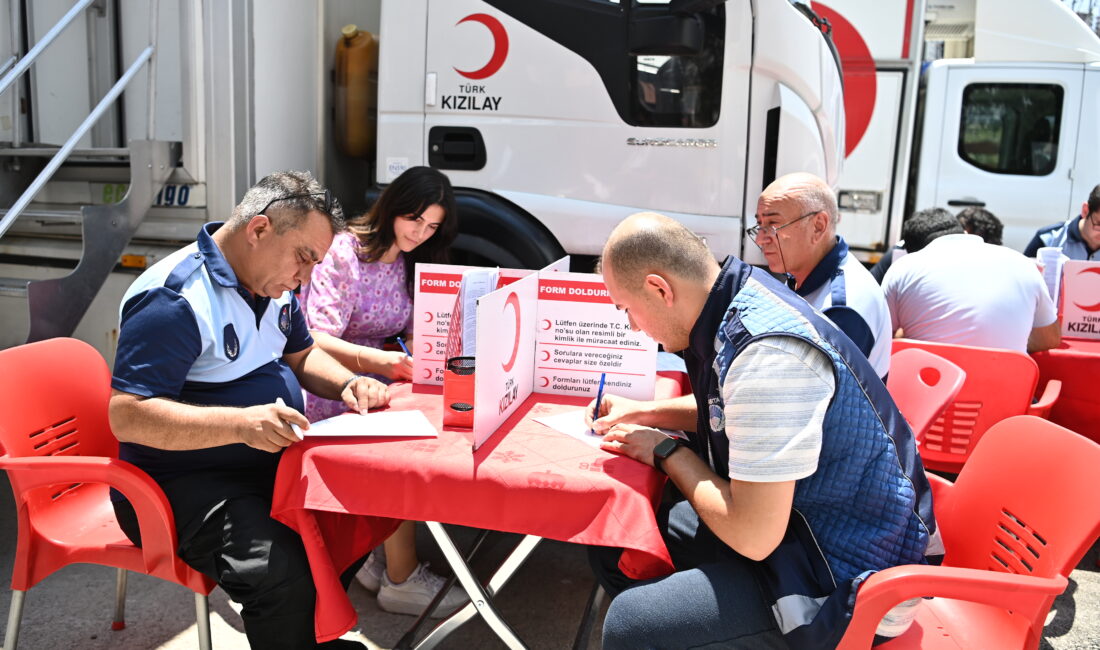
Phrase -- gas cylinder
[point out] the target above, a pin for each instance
(356, 92)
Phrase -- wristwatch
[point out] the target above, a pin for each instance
(663, 450)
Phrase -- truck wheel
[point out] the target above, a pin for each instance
(495, 232)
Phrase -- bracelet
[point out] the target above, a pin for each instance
(351, 380)
(358, 363)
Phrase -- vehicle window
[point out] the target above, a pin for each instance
(1009, 128)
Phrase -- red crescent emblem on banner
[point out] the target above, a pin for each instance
(427, 373)
(512, 300)
(427, 347)
(545, 382)
(1089, 308)
(500, 46)
(546, 324)
(546, 355)
(427, 317)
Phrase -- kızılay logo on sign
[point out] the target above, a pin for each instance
(472, 97)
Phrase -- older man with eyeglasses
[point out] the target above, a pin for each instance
(213, 353)
(796, 218)
(1078, 237)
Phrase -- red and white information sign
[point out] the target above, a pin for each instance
(434, 296)
(433, 299)
(505, 353)
(580, 335)
(1081, 300)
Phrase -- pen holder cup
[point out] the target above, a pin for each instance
(458, 392)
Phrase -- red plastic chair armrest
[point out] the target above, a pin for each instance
(1046, 402)
(941, 492)
(885, 589)
(158, 528)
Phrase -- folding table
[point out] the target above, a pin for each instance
(346, 495)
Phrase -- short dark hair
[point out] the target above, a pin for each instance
(925, 225)
(1094, 200)
(287, 198)
(981, 222)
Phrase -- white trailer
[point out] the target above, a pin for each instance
(554, 120)
(956, 103)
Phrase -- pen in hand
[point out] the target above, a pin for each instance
(599, 398)
(401, 342)
(297, 429)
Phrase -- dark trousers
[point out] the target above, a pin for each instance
(226, 532)
(713, 600)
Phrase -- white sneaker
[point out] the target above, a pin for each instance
(413, 595)
(370, 574)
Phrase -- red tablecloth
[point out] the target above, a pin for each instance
(345, 495)
(1077, 364)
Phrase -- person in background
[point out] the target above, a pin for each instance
(211, 339)
(798, 477)
(796, 218)
(959, 289)
(1078, 236)
(914, 236)
(983, 223)
(360, 295)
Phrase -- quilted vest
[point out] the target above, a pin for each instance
(867, 507)
(1071, 243)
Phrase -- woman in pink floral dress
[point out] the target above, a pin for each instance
(360, 295)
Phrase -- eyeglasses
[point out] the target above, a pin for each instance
(327, 206)
(772, 231)
(1093, 219)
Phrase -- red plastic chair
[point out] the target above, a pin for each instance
(61, 458)
(1016, 522)
(922, 385)
(999, 384)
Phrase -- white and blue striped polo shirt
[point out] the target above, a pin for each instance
(191, 333)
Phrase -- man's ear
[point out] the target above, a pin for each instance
(660, 288)
(820, 223)
(257, 228)
(1085, 210)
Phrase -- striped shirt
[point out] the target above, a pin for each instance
(776, 393)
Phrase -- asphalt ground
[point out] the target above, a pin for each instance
(543, 603)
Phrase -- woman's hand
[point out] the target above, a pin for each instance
(396, 365)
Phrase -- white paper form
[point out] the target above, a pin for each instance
(571, 423)
(379, 424)
(475, 284)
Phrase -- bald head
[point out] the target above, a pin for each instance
(648, 242)
(809, 192)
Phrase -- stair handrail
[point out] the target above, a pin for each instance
(62, 154)
(55, 31)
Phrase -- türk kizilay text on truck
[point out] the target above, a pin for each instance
(554, 121)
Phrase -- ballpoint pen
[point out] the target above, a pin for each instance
(401, 342)
(599, 398)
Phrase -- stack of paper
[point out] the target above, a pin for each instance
(475, 284)
(1052, 259)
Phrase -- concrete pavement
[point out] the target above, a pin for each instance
(543, 603)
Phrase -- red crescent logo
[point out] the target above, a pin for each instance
(1089, 308)
(427, 373)
(500, 46)
(860, 82)
(512, 300)
(546, 355)
(427, 317)
(545, 382)
(547, 324)
(427, 347)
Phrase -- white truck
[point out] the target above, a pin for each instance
(554, 120)
(955, 103)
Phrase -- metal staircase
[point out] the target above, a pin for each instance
(57, 305)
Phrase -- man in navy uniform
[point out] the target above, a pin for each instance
(213, 354)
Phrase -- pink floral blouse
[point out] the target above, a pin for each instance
(360, 302)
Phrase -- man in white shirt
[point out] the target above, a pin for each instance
(961, 290)
(796, 219)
